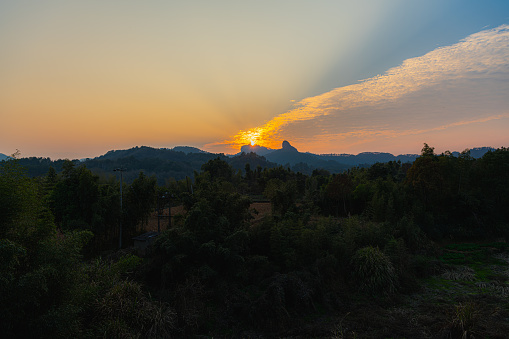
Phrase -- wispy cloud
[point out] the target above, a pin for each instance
(369, 135)
(458, 85)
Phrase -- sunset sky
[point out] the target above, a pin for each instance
(80, 78)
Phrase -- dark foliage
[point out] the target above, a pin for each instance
(331, 244)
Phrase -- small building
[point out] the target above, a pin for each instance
(144, 242)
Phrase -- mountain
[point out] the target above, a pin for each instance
(254, 160)
(260, 150)
(182, 161)
(303, 162)
(290, 155)
(177, 163)
(476, 152)
(368, 158)
(187, 149)
(164, 163)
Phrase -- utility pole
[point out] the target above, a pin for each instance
(120, 169)
(163, 198)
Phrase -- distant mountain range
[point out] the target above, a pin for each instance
(3, 156)
(290, 155)
(182, 161)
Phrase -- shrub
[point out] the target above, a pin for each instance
(125, 311)
(360, 233)
(464, 321)
(374, 271)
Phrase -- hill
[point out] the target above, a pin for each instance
(162, 162)
(289, 155)
(182, 161)
(187, 149)
(303, 162)
(260, 150)
(178, 163)
(368, 158)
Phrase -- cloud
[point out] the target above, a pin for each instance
(458, 85)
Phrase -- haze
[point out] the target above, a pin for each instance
(80, 78)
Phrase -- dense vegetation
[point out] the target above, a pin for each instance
(338, 256)
(164, 164)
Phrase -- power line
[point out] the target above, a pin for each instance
(121, 170)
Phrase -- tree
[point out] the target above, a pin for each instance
(37, 267)
(82, 200)
(427, 151)
(338, 190)
(218, 169)
(281, 194)
(75, 198)
(139, 201)
(425, 176)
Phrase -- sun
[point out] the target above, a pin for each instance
(252, 142)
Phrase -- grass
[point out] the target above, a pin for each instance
(453, 258)
(438, 283)
(474, 255)
(463, 247)
(465, 320)
(469, 247)
(473, 269)
(482, 272)
(464, 297)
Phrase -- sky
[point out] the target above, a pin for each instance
(80, 78)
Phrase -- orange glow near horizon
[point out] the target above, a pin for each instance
(265, 135)
(166, 74)
(444, 89)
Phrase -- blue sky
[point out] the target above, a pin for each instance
(79, 78)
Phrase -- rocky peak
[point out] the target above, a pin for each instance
(287, 147)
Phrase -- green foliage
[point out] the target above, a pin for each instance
(81, 200)
(358, 233)
(338, 192)
(33, 287)
(103, 301)
(374, 272)
(217, 267)
(285, 296)
(282, 195)
(218, 169)
(453, 258)
(474, 255)
(39, 266)
(211, 240)
(464, 321)
(19, 201)
(139, 201)
(396, 251)
(12, 255)
(125, 311)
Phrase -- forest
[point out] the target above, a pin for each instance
(393, 250)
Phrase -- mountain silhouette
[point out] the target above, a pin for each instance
(183, 161)
(260, 150)
(187, 149)
(289, 155)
